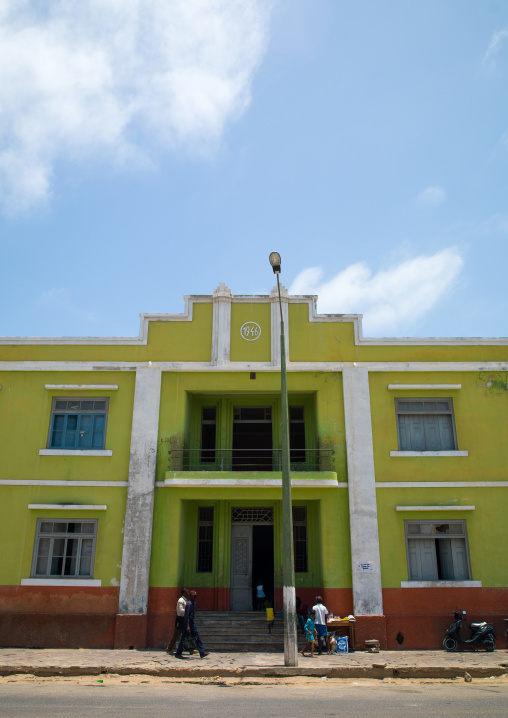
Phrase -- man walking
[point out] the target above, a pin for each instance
(321, 612)
(179, 620)
(190, 628)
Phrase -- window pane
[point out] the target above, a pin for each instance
(59, 405)
(416, 406)
(100, 405)
(60, 528)
(46, 526)
(71, 557)
(86, 405)
(43, 556)
(70, 433)
(86, 557)
(87, 528)
(85, 431)
(98, 431)
(74, 405)
(58, 557)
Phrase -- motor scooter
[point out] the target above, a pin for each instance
(482, 634)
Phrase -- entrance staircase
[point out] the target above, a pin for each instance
(228, 631)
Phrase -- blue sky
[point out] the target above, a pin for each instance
(154, 148)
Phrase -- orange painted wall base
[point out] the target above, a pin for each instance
(131, 631)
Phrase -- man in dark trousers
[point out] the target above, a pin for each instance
(190, 628)
(179, 620)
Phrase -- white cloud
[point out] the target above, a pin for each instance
(390, 299)
(431, 197)
(117, 79)
(496, 42)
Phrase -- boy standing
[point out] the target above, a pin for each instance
(310, 634)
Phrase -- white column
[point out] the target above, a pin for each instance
(221, 333)
(366, 566)
(275, 316)
(137, 540)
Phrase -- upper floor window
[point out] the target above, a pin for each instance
(78, 424)
(437, 551)
(425, 425)
(64, 549)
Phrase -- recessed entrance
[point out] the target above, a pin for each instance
(252, 439)
(251, 555)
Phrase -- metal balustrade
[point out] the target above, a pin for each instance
(249, 460)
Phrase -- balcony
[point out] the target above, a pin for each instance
(249, 460)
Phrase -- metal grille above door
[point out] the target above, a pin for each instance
(252, 515)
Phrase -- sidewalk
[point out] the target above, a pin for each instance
(386, 664)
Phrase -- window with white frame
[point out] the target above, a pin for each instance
(64, 548)
(437, 551)
(78, 424)
(425, 425)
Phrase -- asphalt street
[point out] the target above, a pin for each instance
(332, 697)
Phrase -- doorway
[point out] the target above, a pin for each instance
(251, 555)
(252, 439)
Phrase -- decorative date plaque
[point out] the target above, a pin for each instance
(250, 331)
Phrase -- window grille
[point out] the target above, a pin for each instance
(252, 515)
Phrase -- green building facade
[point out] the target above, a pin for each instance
(132, 466)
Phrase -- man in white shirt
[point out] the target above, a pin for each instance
(320, 623)
(179, 620)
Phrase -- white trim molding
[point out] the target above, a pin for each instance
(249, 483)
(75, 452)
(82, 387)
(435, 508)
(69, 507)
(410, 454)
(52, 482)
(61, 582)
(441, 484)
(440, 584)
(424, 387)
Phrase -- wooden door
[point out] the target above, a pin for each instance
(241, 567)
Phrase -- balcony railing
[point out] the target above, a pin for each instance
(248, 460)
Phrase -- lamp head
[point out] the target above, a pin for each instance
(275, 261)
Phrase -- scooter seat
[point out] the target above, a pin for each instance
(474, 626)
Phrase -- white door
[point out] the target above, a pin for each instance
(241, 567)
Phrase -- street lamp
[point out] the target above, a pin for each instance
(288, 567)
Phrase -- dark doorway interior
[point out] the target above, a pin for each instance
(262, 561)
(252, 439)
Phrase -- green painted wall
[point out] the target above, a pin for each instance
(259, 349)
(18, 523)
(175, 523)
(486, 527)
(25, 410)
(481, 422)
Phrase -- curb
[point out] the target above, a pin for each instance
(376, 671)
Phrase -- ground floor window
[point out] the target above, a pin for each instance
(64, 549)
(205, 539)
(437, 551)
(300, 538)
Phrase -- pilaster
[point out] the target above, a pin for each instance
(366, 566)
(134, 581)
(275, 323)
(221, 333)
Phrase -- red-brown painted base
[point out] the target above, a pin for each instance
(57, 630)
(370, 627)
(131, 631)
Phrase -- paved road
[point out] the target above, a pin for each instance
(56, 699)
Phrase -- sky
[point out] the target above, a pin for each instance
(151, 149)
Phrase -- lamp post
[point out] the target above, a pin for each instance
(288, 567)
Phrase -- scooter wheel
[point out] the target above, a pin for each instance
(450, 643)
(489, 645)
